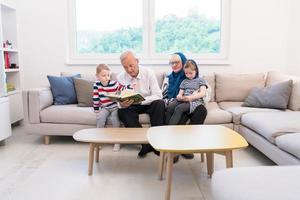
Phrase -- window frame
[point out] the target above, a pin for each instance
(148, 56)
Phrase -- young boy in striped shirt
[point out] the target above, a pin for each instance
(103, 106)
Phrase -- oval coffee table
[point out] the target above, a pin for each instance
(98, 136)
(209, 139)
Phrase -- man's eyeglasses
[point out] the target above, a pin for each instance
(174, 62)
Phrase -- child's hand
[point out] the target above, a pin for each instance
(196, 91)
(187, 98)
(179, 98)
(134, 86)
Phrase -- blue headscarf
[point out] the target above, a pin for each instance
(175, 79)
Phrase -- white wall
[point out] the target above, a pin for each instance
(293, 59)
(258, 42)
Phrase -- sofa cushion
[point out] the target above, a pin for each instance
(237, 110)
(215, 115)
(76, 115)
(273, 96)
(276, 77)
(289, 143)
(236, 87)
(63, 89)
(72, 114)
(84, 92)
(272, 124)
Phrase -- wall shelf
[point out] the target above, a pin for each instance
(13, 92)
(10, 77)
(9, 50)
(12, 70)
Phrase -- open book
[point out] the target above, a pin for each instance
(127, 95)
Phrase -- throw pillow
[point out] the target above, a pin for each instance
(63, 90)
(273, 96)
(84, 92)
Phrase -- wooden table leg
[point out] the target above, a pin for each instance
(210, 163)
(161, 165)
(229, 160)
(97, 148)
(169, 175)
(202, 157)
(91, 158)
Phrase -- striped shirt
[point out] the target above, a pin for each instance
(189, 86)
(100, 100)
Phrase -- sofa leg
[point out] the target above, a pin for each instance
(46, 139)
(2, 143)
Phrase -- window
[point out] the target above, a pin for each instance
(101, 30)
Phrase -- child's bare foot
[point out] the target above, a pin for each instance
(116, 147)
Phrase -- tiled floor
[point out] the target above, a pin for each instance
(30, 170)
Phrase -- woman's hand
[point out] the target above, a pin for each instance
(126, 104)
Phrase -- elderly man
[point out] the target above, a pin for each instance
(146, 84)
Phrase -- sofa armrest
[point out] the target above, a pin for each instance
(37, 100)
(264, 182)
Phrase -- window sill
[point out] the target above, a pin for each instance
(84, 62)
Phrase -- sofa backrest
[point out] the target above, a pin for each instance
(236, 87)
(160, 76)
(277, 77)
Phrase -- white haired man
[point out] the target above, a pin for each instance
(146, 84)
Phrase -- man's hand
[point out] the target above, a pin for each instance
(126, 104)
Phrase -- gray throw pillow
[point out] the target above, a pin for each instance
(62, 89)
(274, 96)
(84, 92)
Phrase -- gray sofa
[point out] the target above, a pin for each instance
(257, 183)
(271, 131)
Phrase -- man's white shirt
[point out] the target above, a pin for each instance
(146, 84)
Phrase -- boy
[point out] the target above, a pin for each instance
(103, 106)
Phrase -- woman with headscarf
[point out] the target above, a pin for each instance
(171, 87)
(171, 90)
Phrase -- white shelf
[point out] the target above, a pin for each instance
(12, 70)
(13, 92)
(4, 119)
(10, 76)
(7, 4)
(9, 50)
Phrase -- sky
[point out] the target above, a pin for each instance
(107, 15)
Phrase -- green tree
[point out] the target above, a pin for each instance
(193, 34)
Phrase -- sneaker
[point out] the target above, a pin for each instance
(146, 148)
(156, 153)
(175, 159)
(188, 156)
(117, 147)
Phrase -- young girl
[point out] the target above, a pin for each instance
(191, 93)
(103, 106)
